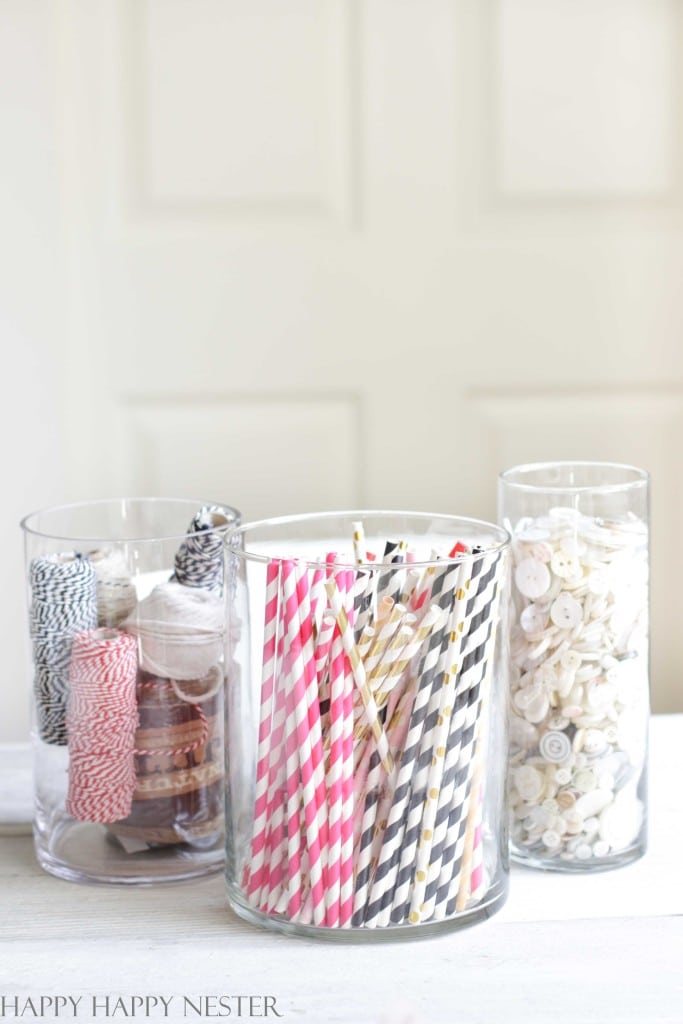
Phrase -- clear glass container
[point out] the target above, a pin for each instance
(579, 663)
(127, 622)
(365, 723)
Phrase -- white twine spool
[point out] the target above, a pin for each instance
(180, 631)
(116, 596)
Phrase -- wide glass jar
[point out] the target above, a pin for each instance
(127, 623)
(579, 663)
(365, 723)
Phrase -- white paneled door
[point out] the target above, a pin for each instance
(331, 253)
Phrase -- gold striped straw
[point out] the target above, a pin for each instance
(371, 710)
(385, 629)
(392, 664)
(360, 552)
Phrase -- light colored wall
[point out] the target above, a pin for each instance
(340, 252)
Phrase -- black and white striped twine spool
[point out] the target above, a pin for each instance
(63, 603)
(199, 561)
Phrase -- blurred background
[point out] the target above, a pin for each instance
(312, 254)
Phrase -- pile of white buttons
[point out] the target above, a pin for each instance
(579, 685)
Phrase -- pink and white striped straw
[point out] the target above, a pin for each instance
(260, 826)
(297, 686)
(335, 775)
(312, 702)
(346, 880)
(276, 842)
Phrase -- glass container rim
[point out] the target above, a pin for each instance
(25, 522)
(640, 477)
(241, 529)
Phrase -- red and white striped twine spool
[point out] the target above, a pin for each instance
(101, 721)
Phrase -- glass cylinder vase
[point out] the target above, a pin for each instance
(126, 619)
(365, 718)
(579, 663)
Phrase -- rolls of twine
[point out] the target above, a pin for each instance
(116, 595)
(63, 603)
(102, 718)
(199, 561)
(179, 631)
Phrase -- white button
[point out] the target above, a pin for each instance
(555, 747)
(601, 694)
(585, 780)
(564, 565)
(558, 722)
(536, 818)
(565, 612)
(583, 851)
(574, 582)
(533, 619)
(571, 660)
(594, 742)
(574, 820)
(522, 733)
(601, 848)
(592, 803)
(532, 578)
(563, 777)
(550, 806)
(541, 551)
(529, 782)
(551, 839)
(587, 672)
(537, 709)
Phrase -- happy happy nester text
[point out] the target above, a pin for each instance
(118, 1007)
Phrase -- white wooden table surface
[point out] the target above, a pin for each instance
(601, 948)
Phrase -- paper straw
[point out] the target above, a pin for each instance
(413, 577)
(318, 599)
(367, 832)
(474, 824)
(276, 842)
(346, 880)
(476, 664)
(259, 829)
(359, 545)
(294, 886)
(455, 583)
(381, 896)
(390, 581)
(312, 701)
(385, 630)
(431, 799)
(297, 686)
(322, 652)
(335, 772)
(371, 710)
(393, 663)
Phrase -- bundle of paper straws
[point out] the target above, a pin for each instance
(371, 748)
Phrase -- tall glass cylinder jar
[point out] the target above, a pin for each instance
(365, 719)
(126, 619)
(579, 662)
